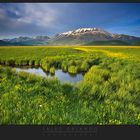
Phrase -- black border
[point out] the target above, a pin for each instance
(81, 131)
(72, 131)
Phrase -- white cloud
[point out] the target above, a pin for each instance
(31, 18)
(2, 13)
(43, 15)
(38, 14)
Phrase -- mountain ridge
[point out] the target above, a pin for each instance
(80, 36)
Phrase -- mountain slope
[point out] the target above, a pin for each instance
(38, 40)
(92, 36)
(5, 43)
(81, 36)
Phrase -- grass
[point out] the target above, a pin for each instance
(108, 94)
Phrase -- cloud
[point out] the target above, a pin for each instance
(24, 18)
(38, 14)
(31, 19)
(2, 14)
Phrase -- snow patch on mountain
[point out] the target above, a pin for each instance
(85, 30)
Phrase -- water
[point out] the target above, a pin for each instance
(59, 74)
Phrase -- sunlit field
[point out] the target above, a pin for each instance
(108, 94)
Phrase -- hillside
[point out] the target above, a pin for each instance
(81, 36)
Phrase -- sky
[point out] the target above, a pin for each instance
(33, 19)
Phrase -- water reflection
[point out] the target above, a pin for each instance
(59, 74)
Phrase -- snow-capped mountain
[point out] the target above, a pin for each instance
(81, 36)
(84, 36)
(85, 30)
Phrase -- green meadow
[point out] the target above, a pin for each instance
(108, 94)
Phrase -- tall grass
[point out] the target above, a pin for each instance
(108, 94)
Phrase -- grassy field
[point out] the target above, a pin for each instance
(108, 94)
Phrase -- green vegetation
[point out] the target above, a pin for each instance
(85, 66)
(108, 43)
(72, 69)
(108, 94)
(52, 70)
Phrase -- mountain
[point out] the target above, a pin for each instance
(81, 36)
(3, 43)
(93, 36)
(42, 38)
(38, 40)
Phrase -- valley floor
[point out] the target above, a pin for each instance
(108, 94)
